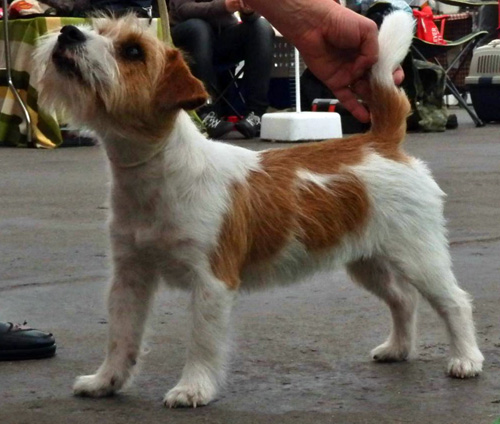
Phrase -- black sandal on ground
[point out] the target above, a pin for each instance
(18, 342)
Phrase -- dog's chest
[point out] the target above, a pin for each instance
(170, 249)
(162, 239)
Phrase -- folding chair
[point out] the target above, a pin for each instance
(431, 50)
(229, 76)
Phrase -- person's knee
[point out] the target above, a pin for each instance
(260, 28)
(192, 34)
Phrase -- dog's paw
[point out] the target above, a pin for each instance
(465, 367)
(190, 395)
(388, 352)
(95, 386)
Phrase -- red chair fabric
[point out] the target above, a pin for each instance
(427, 29)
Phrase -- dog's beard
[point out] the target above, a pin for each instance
(71, 80)
(66, 63)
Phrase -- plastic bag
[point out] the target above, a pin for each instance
(23, 8)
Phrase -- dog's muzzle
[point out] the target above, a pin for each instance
(70, 40)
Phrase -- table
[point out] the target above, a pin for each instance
(23, 34)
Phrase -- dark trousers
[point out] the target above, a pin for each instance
(209, 49)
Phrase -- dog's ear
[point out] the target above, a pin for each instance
(178, 88)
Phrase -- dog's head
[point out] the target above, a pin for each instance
(115, 75)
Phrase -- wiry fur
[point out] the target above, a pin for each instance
(213, 218)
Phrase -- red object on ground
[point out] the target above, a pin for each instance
(324, 105)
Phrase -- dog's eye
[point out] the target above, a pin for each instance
(133, 52)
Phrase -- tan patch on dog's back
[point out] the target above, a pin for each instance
(276, 206)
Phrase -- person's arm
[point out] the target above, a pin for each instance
(246, 13)
(208, 10)
(338, 45)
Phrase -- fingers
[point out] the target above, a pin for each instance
(349, 100)
(362, 88)
(398, 76)
(355, 83)
(367, 57)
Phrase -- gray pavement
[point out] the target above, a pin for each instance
(300, 353)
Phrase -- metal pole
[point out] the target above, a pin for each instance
(10, 82)
(297, 81)
(165, 23)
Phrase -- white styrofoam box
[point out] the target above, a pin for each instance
(300, 126)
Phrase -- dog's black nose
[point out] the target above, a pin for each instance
(71, 35)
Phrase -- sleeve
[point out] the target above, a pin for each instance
(208, 10)
(249, 17)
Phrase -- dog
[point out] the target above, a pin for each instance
(215, 219)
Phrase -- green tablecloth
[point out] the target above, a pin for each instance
(23, 34)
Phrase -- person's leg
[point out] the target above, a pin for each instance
(196, 38)
(253, 43)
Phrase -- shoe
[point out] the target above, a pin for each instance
(249, 126)
(216, 127)
(18, 342)
(452, 122)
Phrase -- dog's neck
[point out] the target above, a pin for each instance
(182, 147)
(130, 153)
(128, 147)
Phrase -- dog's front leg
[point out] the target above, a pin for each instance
(131, 290)
(208, 349)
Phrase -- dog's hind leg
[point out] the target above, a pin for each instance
(205, 367)
(402, 299)
(427, 266)
(131, 290)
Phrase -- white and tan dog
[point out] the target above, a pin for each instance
(215, 218)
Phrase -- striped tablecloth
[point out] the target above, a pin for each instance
(23, 34)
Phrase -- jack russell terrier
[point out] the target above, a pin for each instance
(213, 218)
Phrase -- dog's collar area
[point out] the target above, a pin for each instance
(127, 154)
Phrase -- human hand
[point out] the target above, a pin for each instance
(232, 5)
(244, 8)
(338, 45)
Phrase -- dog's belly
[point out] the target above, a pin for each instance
(295, 264)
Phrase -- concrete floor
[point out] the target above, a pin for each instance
(301, 353)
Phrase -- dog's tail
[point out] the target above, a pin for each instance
(389, 106)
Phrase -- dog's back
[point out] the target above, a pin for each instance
(315, 202)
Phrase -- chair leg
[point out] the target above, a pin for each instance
(463, 103)
(221, 96)
(453, 90)
(10, 82)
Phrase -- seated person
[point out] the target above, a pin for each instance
(210, 34)
(82, 8)
(142, 8)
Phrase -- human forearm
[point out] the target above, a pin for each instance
(292, 17)
(338, 45)
(187, 9)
